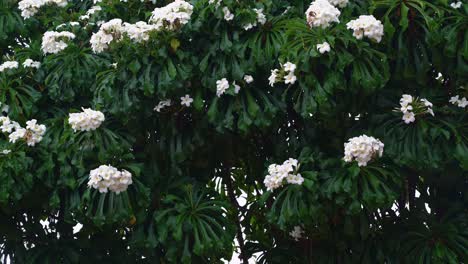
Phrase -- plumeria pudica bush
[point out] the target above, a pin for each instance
(326, 131)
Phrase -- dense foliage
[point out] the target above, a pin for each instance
(177, 168)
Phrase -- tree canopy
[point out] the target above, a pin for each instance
(330, 131)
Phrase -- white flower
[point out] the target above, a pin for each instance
(261, 18)
(454, 99)
(363, 149)
(171, 16)
(109, 31)
(34, 132)
(426, 102)
(138, 32)
(272, 78)
(8, 65)
(162, 104)
(296, 233)
(248, 26)
(4, 108)
(186, 100)
(30, 7)
(236, 87)
(107, 178)
(406, 108)
(6, 151)
(339, 3)
(324, 47)
(248, 78)
(217, 3)
(18, 134)
(456, 5)
(289, 67)
(87, 120)
(462, 103)
(90, 12)
(60, 3)
(321, 14)
(28, 63)
(408, 117)
(290, 78)
(221, 86)
(279, 173)
(406, 99)
(367, 26)
(8, 125)
(410, 107)
(228, 16)
(54, 42)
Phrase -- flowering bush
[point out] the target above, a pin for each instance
(163, 131)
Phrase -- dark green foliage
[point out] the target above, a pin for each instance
(189, 164)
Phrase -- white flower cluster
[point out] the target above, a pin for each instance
(323, 48)
(7, 125)
(108, 31)
(162, 105)
(87, 120)
(91, 11)
(8, 65)
(296, 233)
(367, 26)
(321, 14)
(223, 85)
(286, 74)
(169, 17)
(32, 134)
(339, 3)
(363, 149)
(462, 103)
(28, 63)
(456, 5)
(54, 42)
(30, 7)
(411, 107)
(172, 16)
(279, 173)
(138, 32)
(261, 19)
(107, 178)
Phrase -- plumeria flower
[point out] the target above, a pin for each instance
(289, 67)
(323, 48)
(408, 117)
(456, 5)
(186, 100)
(6, 151)
(236, 88)
(221, 86)
(272, 78)
(290, 78)
(248, 79)
(406, 108)
(228, 16)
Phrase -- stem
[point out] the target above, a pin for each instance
(235, 205)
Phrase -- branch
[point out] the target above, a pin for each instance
(235, 205)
